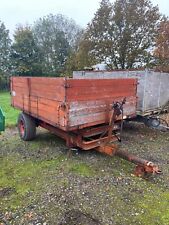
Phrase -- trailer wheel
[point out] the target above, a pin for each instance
(153, 122)
(26, 127)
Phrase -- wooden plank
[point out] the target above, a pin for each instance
(89, 112)
(87, 119)
(52, 88)
(20, 85)
(53, 116)
(86, 110)
(80, 96)
(105, 90)
(18, 79)
(46, 80)
(100, 82)
(92, 89)
(58, 81)
(48, 94)
(94, 97)
(20, 90)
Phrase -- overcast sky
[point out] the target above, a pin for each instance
(13, 12)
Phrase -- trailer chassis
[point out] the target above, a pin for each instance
(102, 138)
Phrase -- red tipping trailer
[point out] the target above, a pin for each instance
(71, 104)
(86, 113)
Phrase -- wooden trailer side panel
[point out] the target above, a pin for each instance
(99, 89)
(72, 104)
(41, 98)
(90, 101)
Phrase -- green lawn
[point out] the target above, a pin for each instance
(11, 114)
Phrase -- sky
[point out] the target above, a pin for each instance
(14, 12)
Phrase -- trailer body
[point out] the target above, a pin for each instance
(86, 113)
(72, 104)
(152, 91)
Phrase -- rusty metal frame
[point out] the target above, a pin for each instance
(143, 166)
(86, 139)
(103, 145)
(101, 137)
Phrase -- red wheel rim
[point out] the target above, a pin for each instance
(22, 128)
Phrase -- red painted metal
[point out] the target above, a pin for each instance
(143, 166)
(86, 139)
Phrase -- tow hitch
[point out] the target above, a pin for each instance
(143, 166)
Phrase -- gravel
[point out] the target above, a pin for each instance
(86, 188)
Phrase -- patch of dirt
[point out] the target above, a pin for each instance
(76, 217)
(6, 191)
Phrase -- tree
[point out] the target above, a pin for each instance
(161, 52)
(71, 30)
(96, 43)
(122, 33)
(135, 23)
(56, 36)
(5, 43)
(25, 54)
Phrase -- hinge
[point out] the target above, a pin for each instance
(67, 86)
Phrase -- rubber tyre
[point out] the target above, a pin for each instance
(26, 127)
(153, 122)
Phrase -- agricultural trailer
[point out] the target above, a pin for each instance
(87, 113)
(152, 92)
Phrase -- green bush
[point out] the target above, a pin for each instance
(4, 83)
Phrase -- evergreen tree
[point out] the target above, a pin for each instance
(25, 54)
(5, 43)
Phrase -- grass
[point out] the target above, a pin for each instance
(24, 177)
(156, 208)
(39, 171)
(82, 169)
(11, 114)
